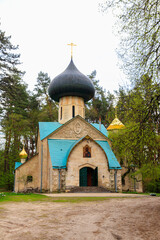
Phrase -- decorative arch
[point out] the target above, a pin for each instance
(87, 165)
(79, 141)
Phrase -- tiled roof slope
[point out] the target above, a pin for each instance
(17, 164)
(46, 128)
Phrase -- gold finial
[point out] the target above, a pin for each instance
(116, 112)
(23, 153)
(72, 45)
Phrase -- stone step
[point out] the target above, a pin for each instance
(88, 189)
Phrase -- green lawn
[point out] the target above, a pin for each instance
(20, 197)
(157, 194)
(31, 197)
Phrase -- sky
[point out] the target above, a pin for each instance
(43, 28)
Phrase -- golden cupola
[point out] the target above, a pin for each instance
(116, 124)
(23, 155)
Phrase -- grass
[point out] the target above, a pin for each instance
(31, 197)
(20, 197)
(157, 194)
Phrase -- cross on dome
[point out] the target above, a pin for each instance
(72, 45)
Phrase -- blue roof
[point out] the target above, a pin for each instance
(46, 128)
(112, 160)
(60, 149)
(103, 129)
(17, 164)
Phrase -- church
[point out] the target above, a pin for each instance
(72, 152)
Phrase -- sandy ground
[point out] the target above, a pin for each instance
(95, 195)
(122, 218)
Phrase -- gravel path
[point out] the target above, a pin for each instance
(95, 195)
(112, 219)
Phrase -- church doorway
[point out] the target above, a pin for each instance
(88, 177)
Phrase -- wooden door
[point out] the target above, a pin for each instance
(83, 177)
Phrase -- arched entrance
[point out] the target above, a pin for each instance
(88, 177)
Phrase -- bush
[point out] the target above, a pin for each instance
(153, 186)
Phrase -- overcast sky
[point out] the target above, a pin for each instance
(43, 28)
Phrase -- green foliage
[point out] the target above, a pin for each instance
(138, 145)
(151, 177)
(8, 58)
(138, 27)
(101, 105)
(48, 108)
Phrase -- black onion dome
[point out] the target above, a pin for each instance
(71, 82)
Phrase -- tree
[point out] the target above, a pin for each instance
(139, 30)
(13, 105)
(49, 109)
(101, 105)
(139, 143)
(8, 62)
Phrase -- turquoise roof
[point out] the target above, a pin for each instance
(103, 129)
(60, 149)
(46, 128)
(17, 164)
(112, 160)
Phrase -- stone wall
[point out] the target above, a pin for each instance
(130, 184)
(29, 168)
(55, 180)
(65, 108)
(112, 180)
(76, 161)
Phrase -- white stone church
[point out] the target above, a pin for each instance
(72, 152)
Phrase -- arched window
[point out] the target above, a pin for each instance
(87, 151)
(73, 111)
(61, 114)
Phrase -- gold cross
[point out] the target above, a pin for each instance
(116, 112)
(72, 45)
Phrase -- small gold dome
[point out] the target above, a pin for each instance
(116, 124)
(23, 154)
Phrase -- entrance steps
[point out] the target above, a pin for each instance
(88, 190)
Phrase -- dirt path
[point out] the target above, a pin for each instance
(129, 218)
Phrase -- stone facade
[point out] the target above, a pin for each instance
(77, 129)
(24, 173)
(45, 178)
(76, 161)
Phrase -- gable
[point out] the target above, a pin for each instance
(78, 128)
